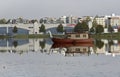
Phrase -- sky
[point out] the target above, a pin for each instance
(57, 8)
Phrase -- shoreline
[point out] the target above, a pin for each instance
(95, 36)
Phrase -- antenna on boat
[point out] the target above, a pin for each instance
(50, 33)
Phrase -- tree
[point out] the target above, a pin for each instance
(33, 21)
(81, 27)
(15, 29)
(92, 30)
(42, 44)
(94, 23)
(85, 25)
(99, 29)
(77, 27)
(110, 42)
(99, 44)
(3, 21)
(41, 20)
(15, 43)
(60, 28)
(110, 29)
(42, 28)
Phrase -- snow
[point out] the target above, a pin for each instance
(36, 64)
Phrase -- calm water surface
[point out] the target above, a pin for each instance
(42, 58)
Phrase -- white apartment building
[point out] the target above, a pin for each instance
(49, 20)
(89, 23)
(101, 20)
(113, 20)
(72, 19)
(63, 19)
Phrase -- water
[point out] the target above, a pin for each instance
(103, 46)
(39, 58)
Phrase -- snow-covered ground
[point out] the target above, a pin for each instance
(36, 64)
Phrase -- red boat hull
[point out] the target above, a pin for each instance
(56, 45)
(71, 41)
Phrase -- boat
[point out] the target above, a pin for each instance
(58, 45)
(73, 38)
(74, 49)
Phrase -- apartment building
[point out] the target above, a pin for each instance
(62, 19)
(72, 19)
(114, 21)
(101, 20)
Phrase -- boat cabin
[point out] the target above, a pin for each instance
(77, 50)
(77, 35)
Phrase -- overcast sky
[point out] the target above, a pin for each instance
(57, 8)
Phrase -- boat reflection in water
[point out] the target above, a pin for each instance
(99, 47)
(74, 49)
(74, 43)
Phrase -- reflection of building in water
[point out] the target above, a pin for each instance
(24, 45)
(115, 48)
(72, 49)
(110, 47)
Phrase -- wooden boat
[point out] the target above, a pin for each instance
(74, 49)
(73, 38)
(63, 40)
(58, 45)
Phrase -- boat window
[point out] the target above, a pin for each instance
(77, 49)
(84, 35)
(77, 35)
(69, 35)
(84, 49)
